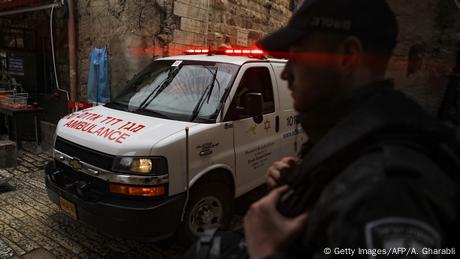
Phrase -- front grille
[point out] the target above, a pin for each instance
(86, 155)
(96, 189)
(70, 177)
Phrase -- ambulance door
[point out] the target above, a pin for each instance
(256, 144)
(291, 134)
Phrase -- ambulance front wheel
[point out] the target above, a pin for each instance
(210, 205)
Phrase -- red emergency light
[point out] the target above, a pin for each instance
(197, 51)
(248, 52)
(233, 52)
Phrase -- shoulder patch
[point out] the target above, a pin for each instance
(395, 235)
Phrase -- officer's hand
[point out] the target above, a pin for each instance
(274, 172)
(266, 230)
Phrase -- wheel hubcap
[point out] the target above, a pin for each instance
(206, 213)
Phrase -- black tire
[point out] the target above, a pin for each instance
(210, 205)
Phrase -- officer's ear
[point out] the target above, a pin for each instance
(352, 51)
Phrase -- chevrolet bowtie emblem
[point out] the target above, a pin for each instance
(75, 163)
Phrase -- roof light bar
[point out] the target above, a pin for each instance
(197, 51)
(236, 52)
(244, 51)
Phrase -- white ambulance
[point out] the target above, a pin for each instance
(186, 136)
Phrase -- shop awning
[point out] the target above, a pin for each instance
(9, 7)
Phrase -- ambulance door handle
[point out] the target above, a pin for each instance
(205, 152)
(277, 123)
(228, 125)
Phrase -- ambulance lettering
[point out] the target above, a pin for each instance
(291, 121)
(78, 114)
(116, 135)
(111, 120)
(131, 126)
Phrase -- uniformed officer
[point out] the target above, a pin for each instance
(369, 185)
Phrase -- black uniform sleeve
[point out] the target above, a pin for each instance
(378, 208)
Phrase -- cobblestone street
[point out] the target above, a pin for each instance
(29, 222)
(31, 226)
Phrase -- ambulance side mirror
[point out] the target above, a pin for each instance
(252, 104)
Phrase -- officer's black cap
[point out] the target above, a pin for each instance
(372, 21)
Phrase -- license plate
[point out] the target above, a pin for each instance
(68, 207)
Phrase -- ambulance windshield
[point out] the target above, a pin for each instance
(181, 90)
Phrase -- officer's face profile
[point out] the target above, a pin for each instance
(313, 70)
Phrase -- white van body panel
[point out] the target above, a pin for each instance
(210, 148)
(116, 132)
(256, 145)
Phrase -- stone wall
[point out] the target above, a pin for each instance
(241, 22)
(135, 33)
(430, 28)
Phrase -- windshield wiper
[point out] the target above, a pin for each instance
(117, 105)
(214, 80)
(210, 87)
(151, 112)
(158, 90)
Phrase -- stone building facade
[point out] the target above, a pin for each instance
(137, 32)
(430, 29)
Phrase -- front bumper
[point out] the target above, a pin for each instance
(140, 219)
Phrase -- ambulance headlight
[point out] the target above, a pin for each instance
(141, 165)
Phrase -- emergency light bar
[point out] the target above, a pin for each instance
(234, 52)
(197, 51)
(244, 51)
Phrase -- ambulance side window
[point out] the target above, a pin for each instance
(254, 80)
